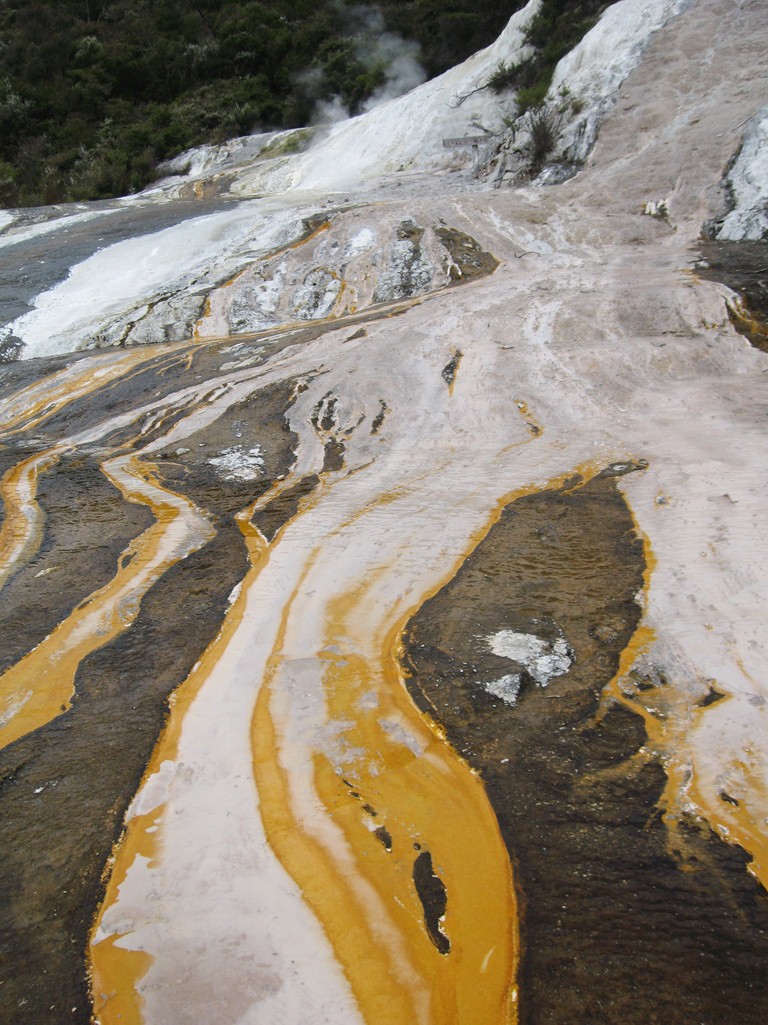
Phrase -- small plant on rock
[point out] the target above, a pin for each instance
(10, 347)
(504, 77)
(543, 125)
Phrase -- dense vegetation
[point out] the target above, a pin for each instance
(93, 93)
(554, 31)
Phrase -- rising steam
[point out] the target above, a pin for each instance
(374, 44)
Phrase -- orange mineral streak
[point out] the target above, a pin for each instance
(308, 236)
(742, 826)
(735, 824)
(639, 644)
(409, 781)
(528, 418)
(182, 361)
(660, 733)
(115, 971)
(21, 531)
(40, 686)
(197, 330)
(377, 311)
(22, 528)
(121, 1003)
(386, 983)
(644, 636)
(396, 973)
(418, 799)
(743, 823)
(382, 984)
(755, 328)
(38, 402)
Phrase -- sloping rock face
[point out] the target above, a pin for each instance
(382, 592)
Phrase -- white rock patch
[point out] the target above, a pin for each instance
(364, 240)
(507, 688)
(239, 463)
(748, 179)
(543, 659)
(594, 70)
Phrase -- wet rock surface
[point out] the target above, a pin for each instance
(65, 788)
(742, 266)
(31, 265)
(228, 465)
(624, 919)
(469, 259)
(267, 868)
(88, 526)
(336, 269)
(433, 897)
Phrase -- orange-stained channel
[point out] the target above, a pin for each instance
(428, 801)
(40, 686)
(21, 530)
(740, 827)
(38, 402)
(431, 799)
(364, 895)
(116, 971)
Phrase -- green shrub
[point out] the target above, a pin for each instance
(287, 144)
(553, 32)
(504, 77)
(533, 96)
(543, 124)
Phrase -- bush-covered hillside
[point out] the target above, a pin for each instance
(557, 27)
(94, 93)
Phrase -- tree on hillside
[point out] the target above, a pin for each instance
(95, 93)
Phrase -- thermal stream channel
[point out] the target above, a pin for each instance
(21, 531)
(307, 653)
(40, 685)
(44, 679)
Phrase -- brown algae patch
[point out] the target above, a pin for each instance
(449, 371)
(469, 261)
